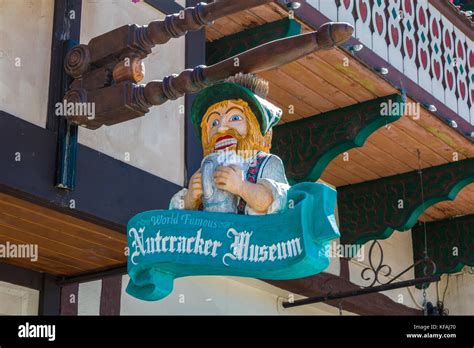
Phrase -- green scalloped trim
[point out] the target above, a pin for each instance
(233, 44)
(465, 178)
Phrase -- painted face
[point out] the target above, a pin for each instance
(230, 125)
(226, 126)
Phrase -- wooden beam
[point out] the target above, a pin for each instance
(65, 29)
(374, 209)
(110, 295)
(66, 34)
(307, 146)
(450, 244)
(242, 41)
(50, 297)
(109, 198)
(20, 276)
(69, 299)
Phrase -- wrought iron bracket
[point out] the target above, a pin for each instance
(362, 291)
(377, 268)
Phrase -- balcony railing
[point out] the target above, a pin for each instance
(429, 41)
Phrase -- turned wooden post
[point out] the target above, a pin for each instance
(261, 58)
(126, 100)
(110, 48)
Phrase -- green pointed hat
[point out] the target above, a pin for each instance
(247, 87)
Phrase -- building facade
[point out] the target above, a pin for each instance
(67, 192)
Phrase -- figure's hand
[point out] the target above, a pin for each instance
(230, 179)
(192, 199)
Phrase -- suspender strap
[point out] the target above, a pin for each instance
(251, 176)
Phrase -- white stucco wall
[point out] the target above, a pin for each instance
(206, 295)
(18, 300)
(89, 298)
(155, 142)
(25, 54)
(459, 298)
(221, 296)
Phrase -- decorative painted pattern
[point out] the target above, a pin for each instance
(379, 20)
(449, 244)
(416, 39)
(470, 76)
(307, 146)
(374, 209)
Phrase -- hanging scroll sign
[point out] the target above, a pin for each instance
(165, 245)
(238, 216)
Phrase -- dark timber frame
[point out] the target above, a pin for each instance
(49, 291)
(195, 55)
(20, 276)
(108, 192)
(165, 6)
(66, 33)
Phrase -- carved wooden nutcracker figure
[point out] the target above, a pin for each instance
(271, 230)
(234, 122)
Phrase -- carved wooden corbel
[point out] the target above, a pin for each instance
(107, 69)
(307, 146)
(374, 209)
(449, 243)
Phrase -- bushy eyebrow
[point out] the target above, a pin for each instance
(234, 107)
(209, 116)
(229, 109)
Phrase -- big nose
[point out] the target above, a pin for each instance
(222, 128)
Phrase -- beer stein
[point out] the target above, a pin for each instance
(213, 198)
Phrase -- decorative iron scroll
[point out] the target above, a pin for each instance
(377, 267)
